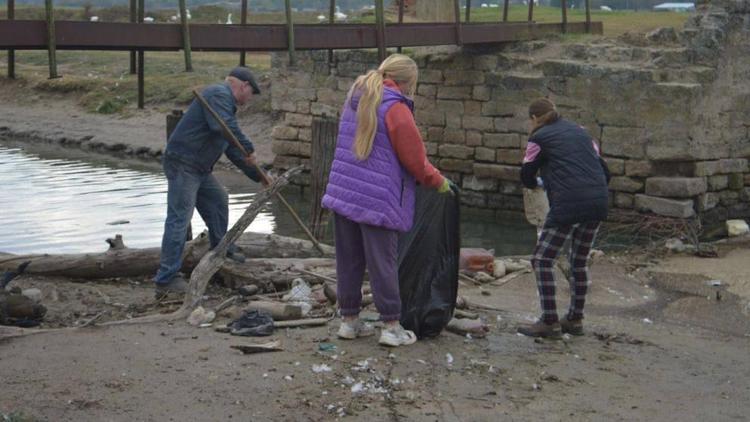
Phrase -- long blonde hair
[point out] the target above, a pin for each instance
(402, 70)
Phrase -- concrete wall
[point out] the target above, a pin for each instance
(671, 110)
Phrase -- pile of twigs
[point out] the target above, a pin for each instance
(628, 228)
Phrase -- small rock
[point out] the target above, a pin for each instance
(737, 228)
(248, 290)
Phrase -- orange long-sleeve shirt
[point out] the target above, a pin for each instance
(407, 142)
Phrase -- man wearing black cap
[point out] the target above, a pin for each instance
(196, 144)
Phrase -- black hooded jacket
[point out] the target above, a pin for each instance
(574, 175)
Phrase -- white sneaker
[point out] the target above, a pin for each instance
(352, 329)
(397, 336)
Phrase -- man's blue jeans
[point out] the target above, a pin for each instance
(189, 189)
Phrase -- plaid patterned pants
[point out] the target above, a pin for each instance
(548, 247)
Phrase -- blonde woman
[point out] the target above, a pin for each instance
(379, 159)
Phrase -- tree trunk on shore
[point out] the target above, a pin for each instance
(121, 261)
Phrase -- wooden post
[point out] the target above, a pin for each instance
(141, 58)
(400, 16)
(331, 21)
(324, 133)
(564, 8)
(531, 10)
(243, 21)
(133, 19)
(457, 17)
(380, 23)
(588, 16)
(468, 11)
(11, 52)
(185, 36)
(290, 32)
(505, 10)
(51, 46)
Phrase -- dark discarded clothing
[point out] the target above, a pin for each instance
(252, 323)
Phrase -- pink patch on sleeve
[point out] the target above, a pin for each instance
(596, 147)
(532, 151)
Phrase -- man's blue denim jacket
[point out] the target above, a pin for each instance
(198, 141)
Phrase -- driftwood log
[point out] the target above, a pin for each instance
(121, 261)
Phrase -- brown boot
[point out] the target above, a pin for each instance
(541, 329)
(574, 327)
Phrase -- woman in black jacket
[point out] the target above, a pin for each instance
(575, 178)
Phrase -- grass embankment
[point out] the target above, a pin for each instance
(103, 83)
(615, 22)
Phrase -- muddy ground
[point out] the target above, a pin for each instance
(664, 341)
(659, 346)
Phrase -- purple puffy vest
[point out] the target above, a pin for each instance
(377, 191)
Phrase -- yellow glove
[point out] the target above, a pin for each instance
(446, 187)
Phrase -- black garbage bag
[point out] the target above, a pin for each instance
(428, 263)
(252, 323)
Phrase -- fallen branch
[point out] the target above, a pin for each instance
(309, 322)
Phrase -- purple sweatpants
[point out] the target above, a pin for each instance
(360, 245)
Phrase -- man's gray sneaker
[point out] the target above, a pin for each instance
(175, 286)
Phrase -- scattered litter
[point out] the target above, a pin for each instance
(200, 316)
(391, 356)
(358, 388)
(326, 347)
(321, 368)
(118, 222)
(536, 387)
(252, 323)
(647, 321)
(475, 327)
(301, 292)
(362, 365)
(288, 377)
(206, 325)
(421, 361)
(715, 283)
(265, 375)
(271, 346)
(449, 358)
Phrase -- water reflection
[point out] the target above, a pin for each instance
(56, 200)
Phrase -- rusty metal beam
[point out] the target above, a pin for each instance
(73, 35)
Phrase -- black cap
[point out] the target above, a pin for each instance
(242, 73)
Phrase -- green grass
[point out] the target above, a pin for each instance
(615, 23)
(103, 83)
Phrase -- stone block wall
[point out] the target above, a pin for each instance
(671, 111)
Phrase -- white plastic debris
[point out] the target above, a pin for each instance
(647, 321)
(288, 378)
(301, 292)
(200, 316)
(358, 388)
(321, 368)
(449, 358)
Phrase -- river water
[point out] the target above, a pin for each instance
(56, 200)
